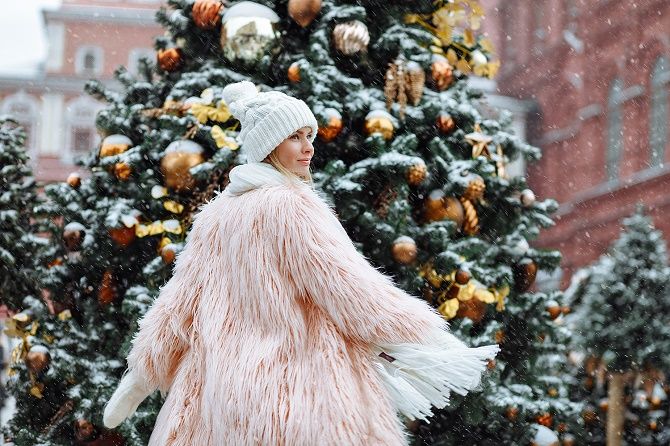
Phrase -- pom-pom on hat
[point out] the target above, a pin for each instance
(267, 118)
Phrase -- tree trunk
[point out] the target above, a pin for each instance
(616, 409)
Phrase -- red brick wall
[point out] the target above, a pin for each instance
(620, 38)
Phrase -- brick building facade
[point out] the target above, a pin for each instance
(87, 39)
(598, 74)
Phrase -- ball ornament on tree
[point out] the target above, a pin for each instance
(351, 37)
(545, 419)
(524, 275)
(544, 436)
(74, 180)
(84, 430)
(206, 13)
(442, 73)
(248, 32)
(404, 250)
(122, 171)
(439, 207)
(303, 12)
(73, 234)
(511, 413)
(380, 121)
(114, 145)
(333, 126)
(445, 123)
(122, 236)
(527, 197)
(554, 309)
(294, 73)
(416, 173)
(473, 309)
(179, 157)
(37, 359)
(462, 276)
(170, 59)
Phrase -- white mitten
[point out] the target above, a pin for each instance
(132, 390)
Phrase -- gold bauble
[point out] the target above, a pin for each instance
(304, 11)
(74, 180)
(179, 157)
(170, 59)
(351, 37)
(122, 171)
(442, 73)
(248, 32)
(122, 236)
(294, 73)
(445, 123)
(379, 121)
(524, 275)
(206, 13)
(554, 309)
(107, 290)
(114, 144)
(37, 359)
(437, 207)
(404, 250)
(331, 130)
(416, 174)
(604, 404)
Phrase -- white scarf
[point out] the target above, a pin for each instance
(250, 176)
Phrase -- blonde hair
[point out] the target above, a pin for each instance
(274, 160)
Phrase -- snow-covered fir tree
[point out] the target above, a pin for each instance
(18, 240)
(622, 303)
(415, 171)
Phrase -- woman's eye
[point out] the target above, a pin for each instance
(295, 136)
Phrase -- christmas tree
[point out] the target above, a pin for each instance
(622, 301)
(415, 172)
(18, 241)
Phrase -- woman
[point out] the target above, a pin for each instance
(271, 329)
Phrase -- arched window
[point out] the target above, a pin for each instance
(88, 60)
(658, 111)
(614, 129)
(25, 109)
(81, 135)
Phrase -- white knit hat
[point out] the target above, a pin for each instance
(267, 118)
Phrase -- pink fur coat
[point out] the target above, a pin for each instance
(266, 333)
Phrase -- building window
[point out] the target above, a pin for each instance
(658, 112)
(614, 129)
(88, 60)
(81, 136)
(25, 109)
(135, 55)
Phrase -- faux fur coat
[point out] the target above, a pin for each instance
(266, 333)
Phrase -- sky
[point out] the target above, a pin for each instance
(22, 36)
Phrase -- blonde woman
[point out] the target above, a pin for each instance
(274, 329)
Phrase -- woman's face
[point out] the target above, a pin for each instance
(296, 151)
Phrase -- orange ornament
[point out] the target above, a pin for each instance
(206, 13)
(294, 73)
(304, 11)
(107, 289)
(123, 236)
(122, 171)
(473, 309)
(170, 59)
(334, 126)
(74, 180)
(545, 419)
(445, 123)
(442, 73)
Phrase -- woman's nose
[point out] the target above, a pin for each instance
(307, 146)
